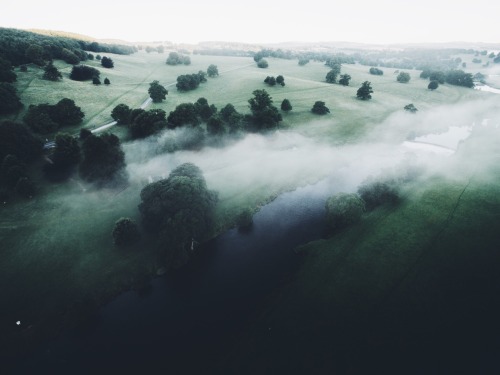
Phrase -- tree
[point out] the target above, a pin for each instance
(66, 112)
(157, 92)
(280, 80)
(84, 134)
(365, 91)
(98, 57)
(96, 81)
(303, 61)
(204, 110)
(51, 73)
(212, 71)
(343, 209)
(25, 187)
(125, 232)
(376, 71)
(148, 123)
(180, 210)
(262, 63)
(344, 79)
(459, 78)
(121, 114)
(286, 105)
(83, 73)
(175, 58)
(6, 71)
(264, 114)
(106, 81)
(410, 108)
(9, 101)
(320, 108)
(106, 62)
(433, 85)
(215, 126)
(69, 56)
(438, 76)
(188, 82)
(16, 139)
(331, 76)
(103, 159)
(35, 54)
(271, 81)
(38, 119)
(67, 151)
(375, 193)
(184, 114)
(403, 77)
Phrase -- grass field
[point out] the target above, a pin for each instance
(57, 249)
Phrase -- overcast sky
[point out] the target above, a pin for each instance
(260, 21)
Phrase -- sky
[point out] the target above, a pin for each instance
(262, 21)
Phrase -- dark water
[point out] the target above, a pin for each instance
(185, 321)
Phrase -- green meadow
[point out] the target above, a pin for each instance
(58, 256)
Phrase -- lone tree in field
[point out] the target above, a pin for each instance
(157, 92)
(106, 81)
(106, 62)
(344, 209)
(96, 81)
(125, 232)
(51, 73)
(270, 80)
(403, 77)
(344, 79)
(433, 85)
(286, 106)
(320, 108)
(212, 71)
(410, 108)
(262, 63)
(365, 91)
(83, 73)
(280, 80)
(376, 71)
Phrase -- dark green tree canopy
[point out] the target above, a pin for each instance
(184, 114)
(148, 123)
(9, 101)
(212, 71)
(375, 193)
(16, 139)
(188, 82)
(6, 71)
(264, 115)
(179, 209)
(344, 79)
(125, 232)
(376, 71)
(331, 76)
(106, 62)
(121, 114)
(365, 91)
(69, 56)
(51, 73)
(286, 105)
(403, 77)
(103, 159)
(433, 85)
(83, 73)
(262, 63)
(67, 151)
(66, 112)
(106, 81)
(38, 119)
(271, 81)
(320, 108)
(96, 81)
(157, 92)
(280, 80)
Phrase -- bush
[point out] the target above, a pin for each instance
(83, 73)
(262, 63)
(376, 71)
(343, 209)
(106, 62)
(320, 108)
(403, 77)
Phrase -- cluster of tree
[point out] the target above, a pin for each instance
(271, 81)
(331, 76)
(344, 79)
(157, 92)
(179, 211)
(24, 47)
(18, 148)
(376, 71)
(345, 209)
(403, 77)
(265, 116)
(96, 81)
(65, 157)
(191, 113)
(46, 118)
(365, 91)
(159, 49)
(84, 73)
(141, 123)
(212, 71)
(9, 101)
(106, 62)
(452, 77)
(175, 58)
(188, 82)
(303, 61)
(125, 232)
(7, 71)
(103, 159)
